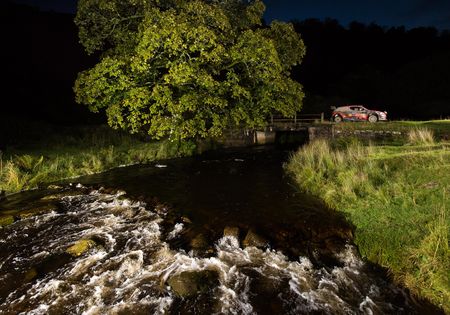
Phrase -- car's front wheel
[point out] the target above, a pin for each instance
(337, 119)
(373, 118)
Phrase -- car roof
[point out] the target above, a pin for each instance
(348, 106)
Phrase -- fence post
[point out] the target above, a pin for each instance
(322, 116)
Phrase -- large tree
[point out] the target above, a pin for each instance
(187, 68)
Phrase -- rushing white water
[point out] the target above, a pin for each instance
(128, 269)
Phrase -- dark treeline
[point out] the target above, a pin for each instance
(42, 58)
(406, 72)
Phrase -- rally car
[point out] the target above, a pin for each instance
(357, 113)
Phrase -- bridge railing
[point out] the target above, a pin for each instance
(298, 119)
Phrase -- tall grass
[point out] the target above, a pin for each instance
(440, 128)
(431, 260)
(395, 196)
(80, 151)
(421, 136)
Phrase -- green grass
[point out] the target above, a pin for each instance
(65, 152)
(440, 128)
(398, 199)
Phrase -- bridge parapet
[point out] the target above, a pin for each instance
(299, 122)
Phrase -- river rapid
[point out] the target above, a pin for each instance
(224, 233)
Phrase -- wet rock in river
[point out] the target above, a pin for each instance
(60, 195)
(199, 242)
(253, 239)
(161, 209)
(186, 220)
(324, 252)
(111, 191)
(266, 289)
(37, 211)
(54, 187)
(6, 220)
(191, 283)
(321, 233)
(80, 247)
(231, 231)
(269, 286)
(30, 275)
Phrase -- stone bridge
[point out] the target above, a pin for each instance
(300, 129)
(311, 125)
(303, 127)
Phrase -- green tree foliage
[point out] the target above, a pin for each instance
(183, 68)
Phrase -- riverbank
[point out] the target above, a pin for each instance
(39, 154)
(397, 198)
(398, 130)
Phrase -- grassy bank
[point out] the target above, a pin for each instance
(440, 128)
(44, 154)
(398, 199)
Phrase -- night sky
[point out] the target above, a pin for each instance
(411, 13)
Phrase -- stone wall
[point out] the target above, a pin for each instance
(322, 132)
(244, 138)
(237, 138)
(367, 134)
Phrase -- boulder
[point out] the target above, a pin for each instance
(266, 285)
(6, 220)
(253, 239)
(199, 242)
(191, 283)
(80, 247)
(231, 231)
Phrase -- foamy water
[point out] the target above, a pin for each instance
(128, 269)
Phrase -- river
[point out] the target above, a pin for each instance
(222, 233)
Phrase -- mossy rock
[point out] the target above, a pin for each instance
(54, 187)
(80, 247)
(254, 239)
(37, 211)
(60, 195)
(6, 220)
(30, 275)
(191, 283)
